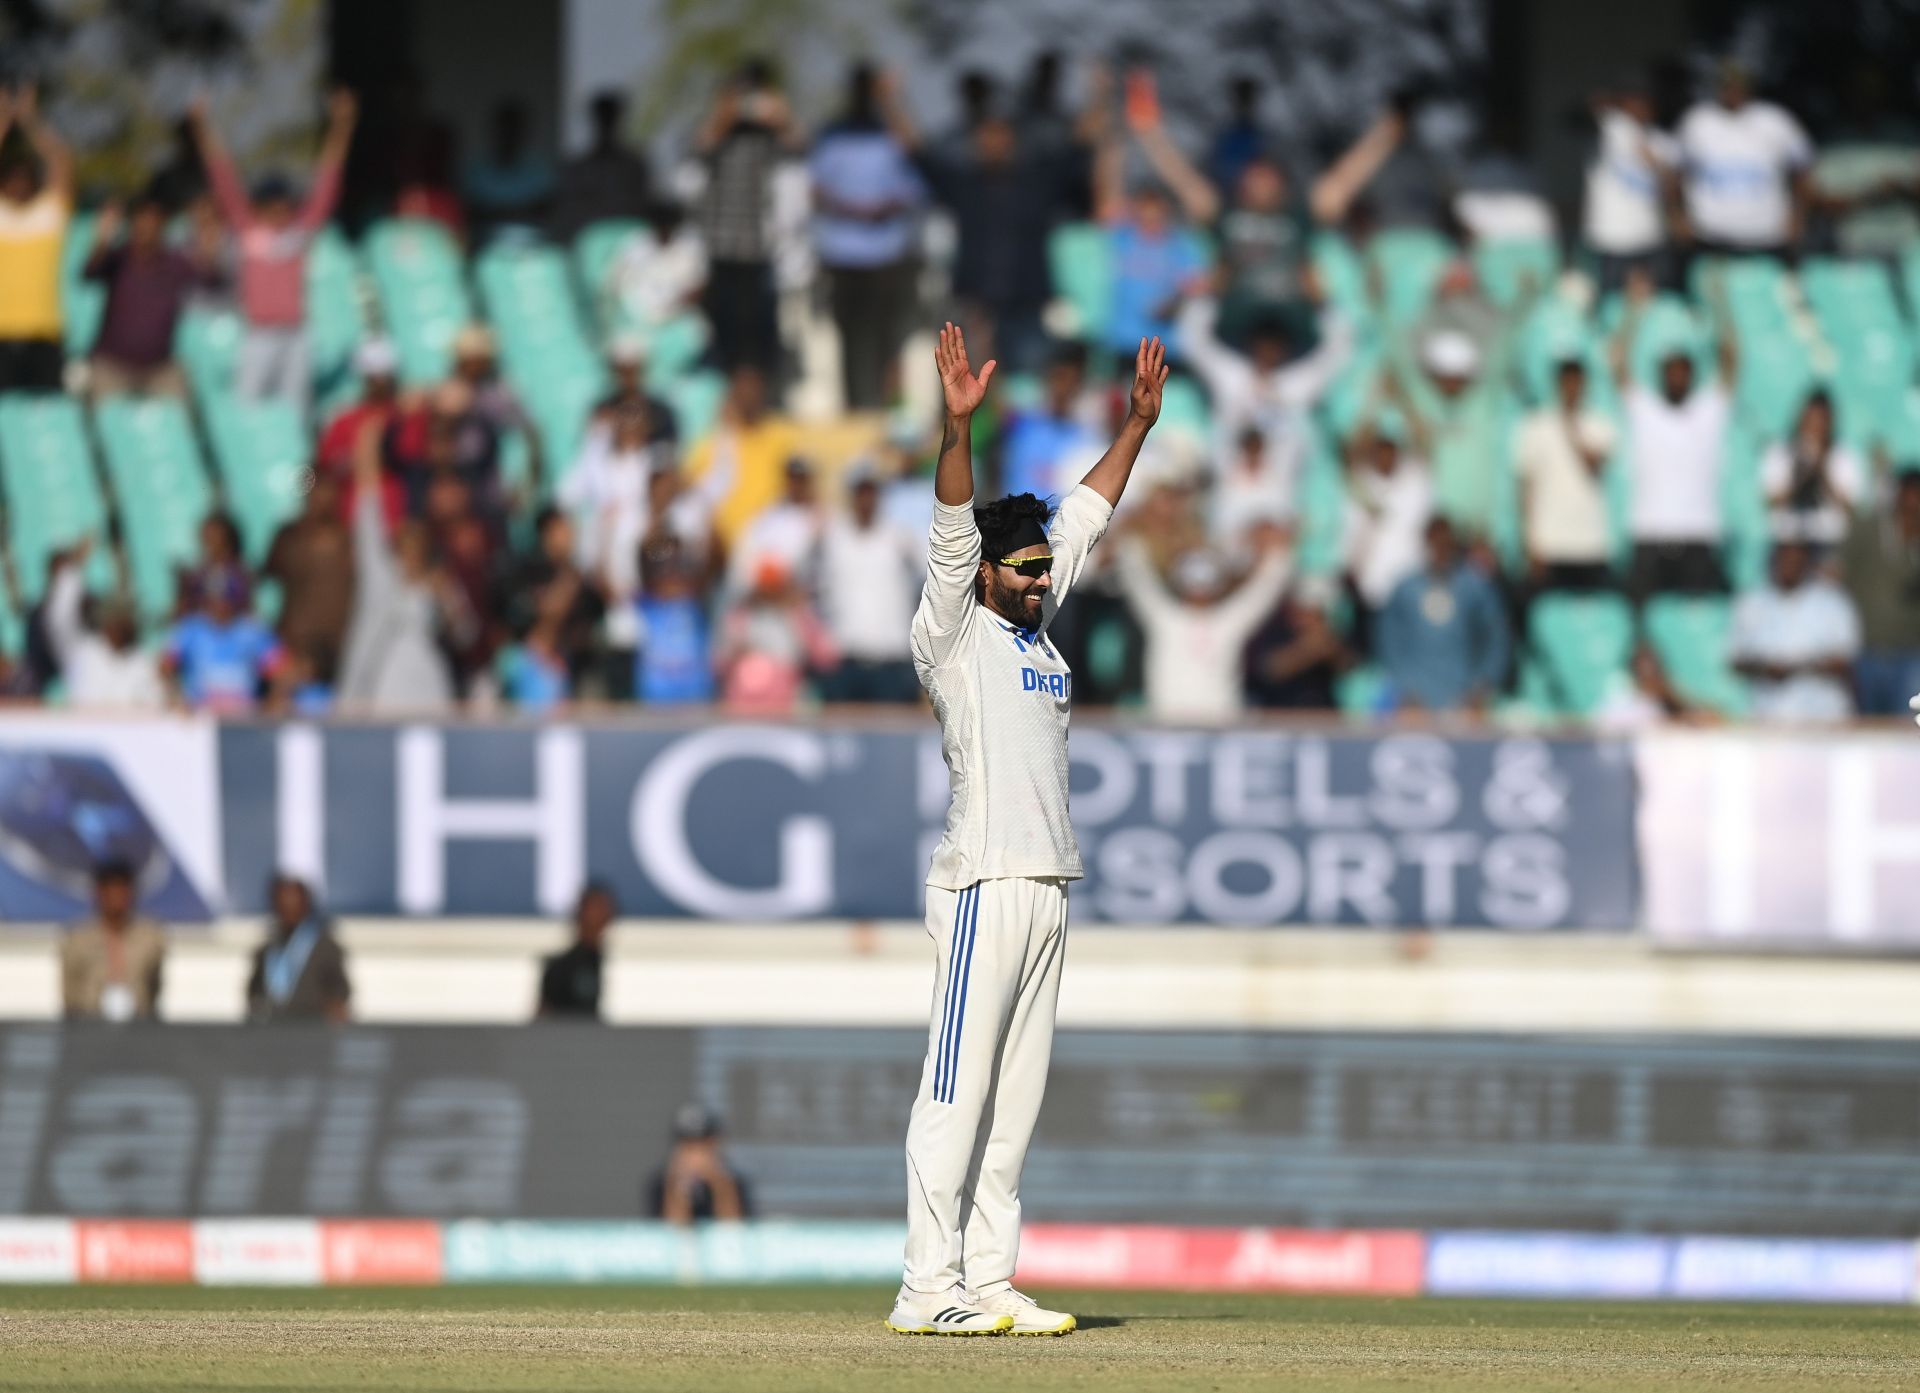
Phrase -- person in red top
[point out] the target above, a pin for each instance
(378, 365)
(274, 233)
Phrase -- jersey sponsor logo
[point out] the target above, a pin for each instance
(1023, 639)
(1047, 684)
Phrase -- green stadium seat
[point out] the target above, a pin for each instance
(1184, 411)
(155, 468)
(1361, 692)
(1408, 263)
(696, 400)
(1080, 260)
(1691, 635)
(1582, 643)
(207, 343)
(593, 252)
(262, 454)
(421, 284)
(83, 303)
(1343, 276)
(53, 498)
(335, 319)
(1505, 267)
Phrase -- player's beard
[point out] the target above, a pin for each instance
(1011, 604)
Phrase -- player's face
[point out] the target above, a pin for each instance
(1013, 592)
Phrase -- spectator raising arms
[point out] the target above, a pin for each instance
(103, 665)
(36, 204)
(275, 231)
(148, 284)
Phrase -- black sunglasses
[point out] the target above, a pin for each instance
(1029, 566)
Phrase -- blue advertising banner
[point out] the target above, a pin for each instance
(791, 822)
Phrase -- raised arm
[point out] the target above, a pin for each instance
(1334, 191)
(1198, 197)
(953, 543)
(1109, 476)
(343, 112)
(222, 178)
(953, 480)
(46, 142)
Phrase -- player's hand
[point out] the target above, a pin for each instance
(1149, 380)
(964, 391)
(342, 106)
(1914, 706)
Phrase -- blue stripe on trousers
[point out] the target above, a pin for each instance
(953, 986)
(966, 973)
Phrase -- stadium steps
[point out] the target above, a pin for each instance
(53, 495)
(160, 482)
(1580, 645)
(260, 453)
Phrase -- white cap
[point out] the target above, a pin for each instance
(626, 349)
(1450, 353)
(376, 358)
(1198, 570)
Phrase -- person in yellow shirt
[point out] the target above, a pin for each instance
(36, 202)
(740, 467)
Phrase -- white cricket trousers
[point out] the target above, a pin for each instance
(998, 950)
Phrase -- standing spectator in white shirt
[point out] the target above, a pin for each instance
(1389, 502)
(1676, 458)
(869, 584)
(1266, 389)
(102, 666)
(1795, 640)
(1631, 185)
(1197, 623)
(1812, 482)
(786, 532)
(1249, 493)
(1746, 171)
(607, 495)
(1560, 460)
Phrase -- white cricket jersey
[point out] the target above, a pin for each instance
(1003, 695)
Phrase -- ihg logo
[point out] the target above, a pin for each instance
(219, 1132)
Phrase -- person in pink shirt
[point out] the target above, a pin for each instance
(274, 231)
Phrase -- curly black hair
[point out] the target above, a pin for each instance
(1005, 519)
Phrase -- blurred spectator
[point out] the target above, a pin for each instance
(1795, 640)
(1454, 398)
(36, 203)
(422, 162)
(675, 666)
(1059, 440)
(110, 964)
(300, 972)
(148, 284)
(787, 533)
(1154, 254)
(476, 363)
(611, 180)
(741, 464)
(512, 184)
(299, 691)
(274, 233)
(378, 365)
(1405, 186)
(392, 660)
(1881, 564)
(464, 582)
(1249, 492)
(102, 665)
(1631, 182)
(1812, 482)
(1294, 660)
(659, 275)
(1270, 390)
(1443, 637)
(1240, 140)
(537, 672)
(1675, 452)
(445, 432)
(1197, 624)
(697, 1183)
(1389, 501)
(627, 366)
(532, 576)
(1746, 171)
(1643, 697)
(770, 641)
(1497, 194)
(219, 656)
(181, 180)
(607, 494)
(221, 562)
(741, 141)
(1266, 246)
(869, 583)
(1560, 458)
(570, 981)
(867, 198)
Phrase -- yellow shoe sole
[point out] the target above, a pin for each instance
(1066, 1327)
(1004, 1326)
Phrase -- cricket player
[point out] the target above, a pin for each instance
(997, 889)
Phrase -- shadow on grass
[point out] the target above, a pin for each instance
(1098, 1322)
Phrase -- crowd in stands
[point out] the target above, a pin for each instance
(582, 431)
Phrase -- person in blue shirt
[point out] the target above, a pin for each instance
(1443, 637)
(675, 663)
(1041, 443)
(219, 656)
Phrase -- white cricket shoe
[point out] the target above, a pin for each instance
(1029, 1316)
(950, 1312)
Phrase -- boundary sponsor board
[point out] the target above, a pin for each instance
(1202, 1259)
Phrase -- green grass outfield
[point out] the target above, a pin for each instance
(785, 1338)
